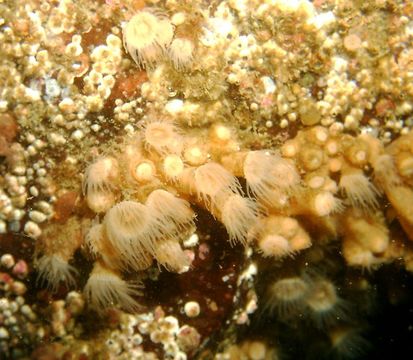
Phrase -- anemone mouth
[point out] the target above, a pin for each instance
(162, 136)
(273, 245)
(325, 203)
(289, 289)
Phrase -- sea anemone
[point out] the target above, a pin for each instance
(325, 304)
(356, 254)
(100, 201)
(146, 37)
(358, 153)
(222, 140)
(385, 173)
(347, 343)
(169, 254)
(162, 136)
(100, 182)
(286, 296)
(100, 248)
(311, 157)
(172, 167)
(221, 133)
(238, 214)
(132, 230)
(359, 190)
(195, 154)
(181, 53)
(267, 172)
(404, 163)
(278, 236)
(101, 176)
(370, 231)
(325, 203)
(54, 269)
(93, 239)
(212, 179)
(274, 245)
(144, 171)
(170, 209)
(105, 288)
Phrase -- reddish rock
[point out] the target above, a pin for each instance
(64, 206)
(8, 127)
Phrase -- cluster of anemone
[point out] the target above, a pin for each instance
(130, 236)
(310, 296)
(149, 37)
(142, 192)
(314, 296)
